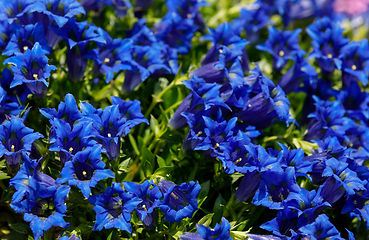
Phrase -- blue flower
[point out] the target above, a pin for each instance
(8, 108)
(267, 105)
(11, 10)
(120, 6)
(275, 187)
(32, 69)
(220, 232)
(24, 38)
(16, 138)
(107, 60)
(78, 36)
(300, 72)
(331, 190)
(85, 170)
(327, 42)
(355, 62)
(179, 201)
(150, 194)
(70, 140)
(252, 21)
(59, 10)
(282, 45)
(44, 204)
(321, 228)
(113, 208)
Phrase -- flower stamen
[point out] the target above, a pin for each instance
(329, 55)
(216, 146)
(173, 195)
(353, 67)
(144, 207)
(70, 150)
(25, 48)
(109, 135)
(35, 76)
(12, 148)
(199, 133)
(238, 160)
(281, 53)
(106, 60)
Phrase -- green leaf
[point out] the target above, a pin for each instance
(154, 125)
(206, 220)
(3, 164)
(218, 207)
(161, 161)
(148, 161)
(238, 235)
(134, 144)
(3, 175)
(20, 227)
(204, 192)
(123, 167)
(163, 171)
(112, 235)
(103, 93)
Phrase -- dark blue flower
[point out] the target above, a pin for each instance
(32, 69)
(11, 10)
(113, 208)
(16, 138)
(331, 190)
(150, 194)
(8, 108)
(120, 6)
(179, 201)
(85, 170)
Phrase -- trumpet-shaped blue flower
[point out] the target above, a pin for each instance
(113, 208)
(220, 232)
(44, 204)
(8, 108)
(78, 36)
(11, 10)
(32, 69)
(85, 170)
(24, 38)
(70, 140)
(321, 228)
(355, 62)
(150, 194)
(282, 45)
(179, 201)
(59, 10)
(16, 138)
(327, 42)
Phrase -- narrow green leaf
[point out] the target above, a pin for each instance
(161, 161)
(134, 144)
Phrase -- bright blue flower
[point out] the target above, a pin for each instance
(176, 31)
(284, 225)
(32, 69)
(67, 111)
(275, 187)
(73, 237)
(180, 201)
(24, 38)
(327, 42)
(6, 34)
(70, 140)
(364, 213)
(131, 110)
(268, 105)
(282, 45)
(252, 21)
(188, 9)
(11, 10)
(59, 10)
(44, 204)
(150, 194)
(8, 108)
(355, 62)
(224, 35)
(16, 138)
(120, 6)
(78, 36)
(113, 208)
(321, 228)
(85, 170)
(331, 190)
(300, 72)
(220, 232)
(107, 60)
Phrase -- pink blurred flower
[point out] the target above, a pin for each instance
(351, 7)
